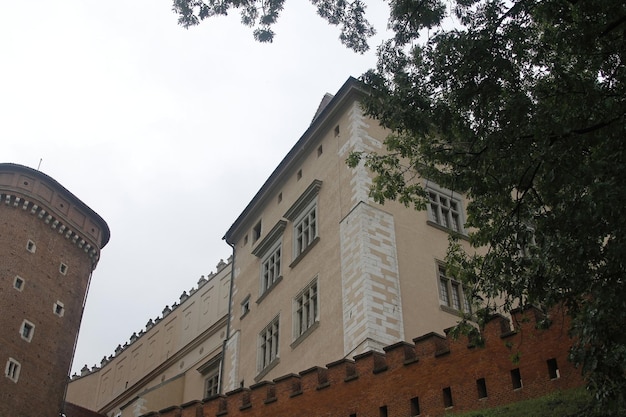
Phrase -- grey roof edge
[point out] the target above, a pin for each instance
(106, 232)
(350, 87)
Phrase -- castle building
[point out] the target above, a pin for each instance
(177, 357)
(323, 272)
(50, 243)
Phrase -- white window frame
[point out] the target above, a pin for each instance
(304, 213)
(445, 208)
(55, 308)
(451, 292)
(271, 267)
(21, 285)
(269, 344)
(31, 330)
(306, 309)
(305, 229)
(245, 306)
(12, 370)
(212, 382)
(31, 246)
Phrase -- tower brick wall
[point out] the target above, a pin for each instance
(432, 376)
(49, 245)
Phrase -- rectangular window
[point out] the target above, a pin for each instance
(63, 268)
(30, 246)
(59, 309)
(18, 283)
(12, 370)
(27, 330)
(382, 411)
(516, 378)
(271, 268)
(305, 229)
(415, 406)
(553, 369)
(447, 397)
(444, 209)
(256, 231)
(245, 306)
(451, 292)
(306, 306)
(268, 344)
(481, 386)
(211, 384)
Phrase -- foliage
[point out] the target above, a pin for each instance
(262, 14)
(570, 403)
(519, 104)
(522, 107)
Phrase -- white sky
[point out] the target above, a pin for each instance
(166, 133)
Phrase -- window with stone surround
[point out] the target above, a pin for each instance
(12, 370)
(27, 330)
(30, 246)
(58, 308)
(451, 293)
(211, 373)
(444, 208)
(270, 250)
(270, 267)
(18, 283)
(306, 309)
(304, 215)
(268, 345)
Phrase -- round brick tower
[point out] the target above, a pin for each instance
(50, 243)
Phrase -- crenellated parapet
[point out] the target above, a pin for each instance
(137, 337)
(38, 195)
(434, 375)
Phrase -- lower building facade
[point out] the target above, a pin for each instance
(175, 359)
(435, 375)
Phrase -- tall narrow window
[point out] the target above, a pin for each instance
(27, 330)
(382, 411)
(304, 215)
(553, 369)
(270, 251)
(211, 384)
(12, 370)
(415, 407)
(268, 344)
(18, 283)
(256, 231)
(451, 292)
(245, 306)
(306, 229)
(516, 378)
(211, 372)
(447, 397)
(271, 268)
(481, 386)
(306, 306)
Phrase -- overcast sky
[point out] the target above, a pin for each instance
(166, 133)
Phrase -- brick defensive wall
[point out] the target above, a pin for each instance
(432, 376)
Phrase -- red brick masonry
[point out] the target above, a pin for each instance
(433, 376)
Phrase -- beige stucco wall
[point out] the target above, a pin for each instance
(376, 265)
(164, 358)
